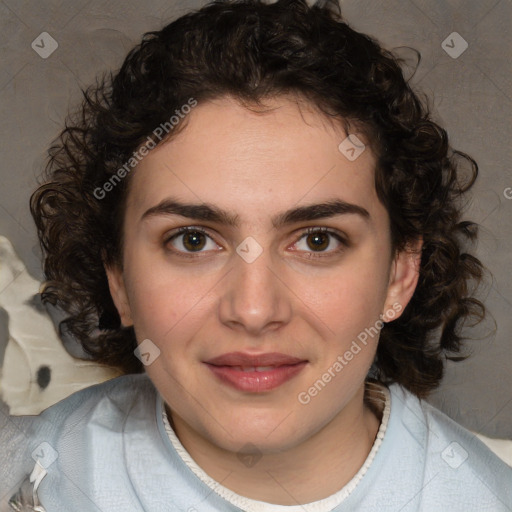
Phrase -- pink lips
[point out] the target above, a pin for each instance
(255, 373)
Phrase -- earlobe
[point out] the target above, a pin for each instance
(119, 295)
(403, 280)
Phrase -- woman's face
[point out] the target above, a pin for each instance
(256, 317)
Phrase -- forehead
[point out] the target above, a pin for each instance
(256, 162)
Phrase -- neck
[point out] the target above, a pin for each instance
(311, 471)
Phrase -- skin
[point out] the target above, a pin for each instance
(293, 298)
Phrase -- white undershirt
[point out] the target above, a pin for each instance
(250, 505)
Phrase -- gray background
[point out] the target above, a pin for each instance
(470, 95)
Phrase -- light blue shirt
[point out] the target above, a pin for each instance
(105, 449)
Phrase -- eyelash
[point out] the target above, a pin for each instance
(312, 230)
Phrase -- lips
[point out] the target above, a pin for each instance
(253, 368)
(255, 373)
(253, 360)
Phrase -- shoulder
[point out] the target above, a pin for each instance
(21, 437)
(120, 389)
(107, 403)
(457, 466)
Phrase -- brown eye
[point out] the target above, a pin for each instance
(318, 241)
(194, 240)
(321, 240)
(190, 240)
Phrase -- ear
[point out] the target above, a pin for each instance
(403, 279)
(118, 293)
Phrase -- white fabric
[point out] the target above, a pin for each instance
(33, 343)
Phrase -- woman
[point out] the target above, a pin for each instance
(257, 220)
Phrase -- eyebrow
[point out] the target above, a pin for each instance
(207, 212)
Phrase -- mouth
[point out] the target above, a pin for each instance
(255, 373)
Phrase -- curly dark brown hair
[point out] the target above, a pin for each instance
(251, 50)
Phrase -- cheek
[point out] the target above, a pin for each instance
(350, 299)
(166, 305)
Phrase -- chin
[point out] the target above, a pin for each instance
(270, 433)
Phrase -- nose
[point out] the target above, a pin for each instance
(255, 298)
